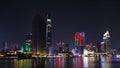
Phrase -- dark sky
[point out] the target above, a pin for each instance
(91, 17)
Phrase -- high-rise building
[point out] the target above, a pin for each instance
(49, 31)
(106, 39)
(101, 47)
(39, 35)
(79, 38)
(80, 41)
(28, 39)
(49, 34)
(27, 47)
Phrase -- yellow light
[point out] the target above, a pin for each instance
(1, 55)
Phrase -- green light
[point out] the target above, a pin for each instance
(26, 48)
(22, 48)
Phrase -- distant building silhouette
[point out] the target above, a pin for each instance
(4, 47)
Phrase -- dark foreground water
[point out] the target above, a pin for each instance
(61, 62)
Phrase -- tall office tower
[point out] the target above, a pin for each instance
(49, 31)
(49, 34)
(106, 39)
(39, 35)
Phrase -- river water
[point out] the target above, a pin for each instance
(62, 62)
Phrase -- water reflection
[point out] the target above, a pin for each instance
(50, 63)
(7, 63)
(55, 62)
(78, 62)
(38, 63)
(106, 62)
(62, 62)
(26, 63)
(68, 62)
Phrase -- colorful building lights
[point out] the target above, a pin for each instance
(79, 38)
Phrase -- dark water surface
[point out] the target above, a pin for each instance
(61, 62)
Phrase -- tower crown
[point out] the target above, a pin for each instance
(49, 18)
(106, 35)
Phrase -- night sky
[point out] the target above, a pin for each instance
(68, 17)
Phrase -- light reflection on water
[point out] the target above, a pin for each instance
(61, 62)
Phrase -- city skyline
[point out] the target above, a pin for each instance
(93, 18)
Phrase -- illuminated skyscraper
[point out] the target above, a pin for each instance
(80, 41)
(39, 35)
(106, 39)
(49, 34)
(102, 47)
(49, 31)
(79, 38)
(28, 43)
